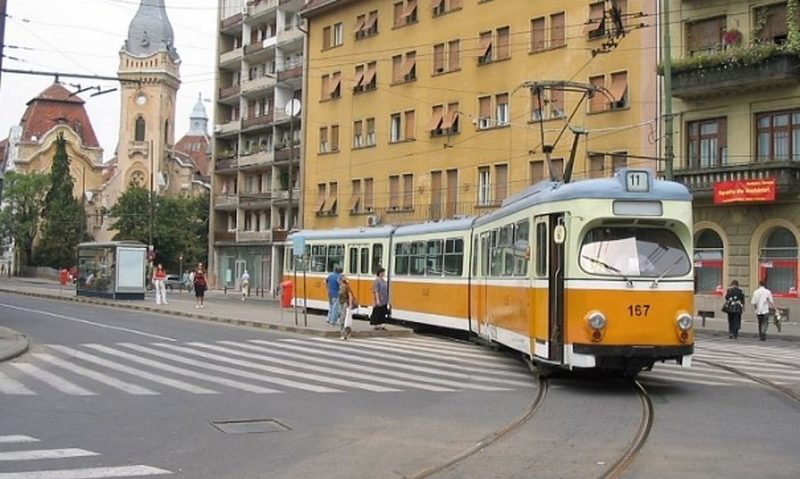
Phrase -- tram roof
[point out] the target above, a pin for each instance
(598, 188)
(365, 232)
(459, 224)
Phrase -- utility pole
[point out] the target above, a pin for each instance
(666, 62)
(2, 34)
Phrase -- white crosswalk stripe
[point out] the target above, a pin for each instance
(71, 456)
(12, 386)
(100, 377)
(53, 380)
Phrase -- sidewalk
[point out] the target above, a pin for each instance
(219, 307)
(12, 344)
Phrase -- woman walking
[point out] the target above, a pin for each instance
(200, 286)
(159, 284)
(380, 308)
(734, 305)
(347, 303)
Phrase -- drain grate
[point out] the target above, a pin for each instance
(250, 426)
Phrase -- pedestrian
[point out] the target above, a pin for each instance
(245, 285)
(347, 303)
(332, 284)
(763, 302)
(200, 286)
(190, 286)
(380, 305)
(160, 284)
(734, 306)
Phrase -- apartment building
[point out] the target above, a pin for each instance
(257, 148)
(736, 92)
(418, 111)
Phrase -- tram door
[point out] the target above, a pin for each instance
(548, 273)
(358, 272)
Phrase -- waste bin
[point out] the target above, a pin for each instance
(287, 291)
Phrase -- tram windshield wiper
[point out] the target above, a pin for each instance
(655, 281)
(608, 267)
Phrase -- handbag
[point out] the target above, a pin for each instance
(725, 308)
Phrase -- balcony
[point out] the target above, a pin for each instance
(226, 236)
(258, 51)
(258, 85)
(229, 91)
(257, 8)
(225, 201)
(231, 22)
(701, 181)
(225, 164)
(258, 121)
(283, 153)
(231, 57)
(282, 195)
(263, 198)
(290, 35)
(279, 235)
(249, 236)
(228, 128)
(733, 72)
(291, 72)
(255, 158)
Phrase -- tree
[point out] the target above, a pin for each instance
(20, 218)
(179, 224)
(64, 219)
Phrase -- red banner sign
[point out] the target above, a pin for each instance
(744, 191)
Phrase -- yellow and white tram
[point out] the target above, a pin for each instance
(591, 274)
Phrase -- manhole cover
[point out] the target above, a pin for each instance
(250, 426)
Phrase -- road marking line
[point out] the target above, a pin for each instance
(184, 372)
(11, 439)
(84, 321)
(97, 376)
(87, 473)
(175, 383)
(51, 379)
(234, 372)
(12, 386)
(38, 454)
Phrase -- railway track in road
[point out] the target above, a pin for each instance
(492, 438)
(756, 379)
(618, 468)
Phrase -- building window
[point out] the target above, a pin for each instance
(619, 161)
(597, 165)
(484, 186)
(331, 201)
(771, 23)
(557, 30)
(778, 262)
(708, 257)
(366, 25)
(358, 137)
(324, 146)
(408, 191)
(778, 136)
(355, 197)
(440, 7)
(619, 90)
(335, 138)
(486, 107)
(538, 34)
(485, 48)
(598, 101)
(405, 13)
(404, 68)
(444, 122)
(370, 132)
(536, 171)
(394, 129)
(557, 169)
(596, 27)
(707, 143)
(503, 37)
(332, 36)
(705, 36)
(548, 104)
(139, 129)
(365, 79)
(321, 197)
(500, 183)
(394, 192)
(501, 109)
(401, 126)
(338, 34)
(369, 195)
(446, 57)
(331, 86)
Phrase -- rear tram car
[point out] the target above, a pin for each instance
(590, 274)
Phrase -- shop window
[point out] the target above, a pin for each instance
(778, 262)
(708, 256)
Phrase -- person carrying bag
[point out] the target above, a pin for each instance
(734, 306)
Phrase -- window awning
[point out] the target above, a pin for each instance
(333, 84)
(410, 7)
(359, 78)
(370, 75)
(320, 204)
(360, 21)
(452, 114)
(436, 120)
(354, 201)
(330, 204)
(408, 65)
(484, 45)
(619, 86)
(371, 21)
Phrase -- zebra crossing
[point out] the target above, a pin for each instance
(311, 365)
(776, 362)
(21, 452)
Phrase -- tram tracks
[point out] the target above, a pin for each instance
(618, 468)
(786, 391)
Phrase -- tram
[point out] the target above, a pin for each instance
(589, 274)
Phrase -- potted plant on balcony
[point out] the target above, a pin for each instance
(732, 38)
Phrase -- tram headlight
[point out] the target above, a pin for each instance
(685, 321)
(596, 320)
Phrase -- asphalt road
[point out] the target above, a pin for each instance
(115, 393)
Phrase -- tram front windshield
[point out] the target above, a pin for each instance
(631, 252)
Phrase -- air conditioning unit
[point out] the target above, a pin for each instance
(373, 220)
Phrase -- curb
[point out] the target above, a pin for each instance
(331, 333)
(772, 335)
(18, 347)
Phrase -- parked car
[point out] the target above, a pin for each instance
(173, 282)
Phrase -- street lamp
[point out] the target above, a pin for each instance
(180, 274)
(292, 109)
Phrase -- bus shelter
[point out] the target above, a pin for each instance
(115, 270)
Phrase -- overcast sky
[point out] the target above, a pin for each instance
(85, 36)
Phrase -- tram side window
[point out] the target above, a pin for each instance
(541, 249)
(402, 255)
(318, 255)
(521, 248)
(453, 257)
(364, 261)
(418, 258)
(507, 248)
(496, 254)
(475, 257)
(353, 263)
(377, 257)
(434, 254)
(335, 256)
(485, 244)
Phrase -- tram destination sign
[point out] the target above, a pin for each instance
(745, 191)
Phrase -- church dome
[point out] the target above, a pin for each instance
(56, 106)
(150, 31)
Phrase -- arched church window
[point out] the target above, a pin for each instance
(777, 262)
(708, 255)
(139, 130)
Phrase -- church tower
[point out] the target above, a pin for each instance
(150, 69)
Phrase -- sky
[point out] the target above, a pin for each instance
(85, 36)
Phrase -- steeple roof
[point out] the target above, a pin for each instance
(198, 119)
(150, 31)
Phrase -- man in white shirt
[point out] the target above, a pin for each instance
(245, 285)
(762, 300)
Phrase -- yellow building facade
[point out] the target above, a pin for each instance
(417, 111)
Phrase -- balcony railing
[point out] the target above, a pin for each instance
(283, 153)
(231, 56)
(255, 158)
(291, 72)
(291, 35)
(225, 200)
(279, 235)
(223, 235)
(254, 235)
(258, 84)
(262, 120)
(700, 181)
(229, 127)
(230, 22)
(258, 7)
(251, 198)
(225, 164)
(729, 76)
(229, 91)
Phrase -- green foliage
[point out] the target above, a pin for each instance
(20, 219)
(63, 217)
(731, 58)
(179, 225)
